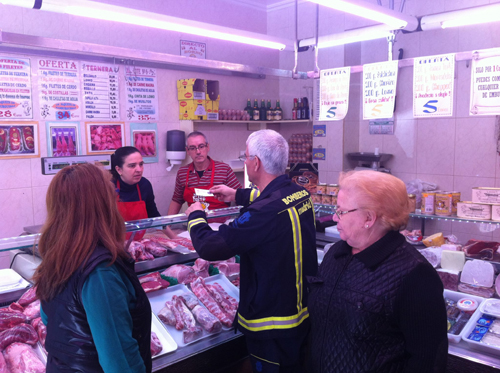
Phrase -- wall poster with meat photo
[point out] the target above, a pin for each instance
(19, 140)
(144, 136)
(104, 138)
(63, 139)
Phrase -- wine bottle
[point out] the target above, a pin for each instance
(262, 110)
(305, 108)
(269, 111)
(299, 111)
(294, 110)
(249, 108)
(278, 112)
(255, 114)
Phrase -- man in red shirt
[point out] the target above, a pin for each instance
(202, 173)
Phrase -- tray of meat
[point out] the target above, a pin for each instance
(180, 312)
(219, 296)
(161, 341)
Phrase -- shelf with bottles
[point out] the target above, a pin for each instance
(284, 121)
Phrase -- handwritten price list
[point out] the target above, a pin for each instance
(485, 83)
(433, 82)
(334, 100)
(15, 88)
(142, 93)
(100, 91)
(379, 89)
(59, 89)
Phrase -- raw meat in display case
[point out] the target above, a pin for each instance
(20, 333)
(22, 358)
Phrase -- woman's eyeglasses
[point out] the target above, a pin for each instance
(194, 148)
(340, 213)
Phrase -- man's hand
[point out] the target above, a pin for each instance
(223, 193)
(194, 207)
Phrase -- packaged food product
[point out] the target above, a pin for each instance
(495, 212)
(467, 305)
(467, 209)
(332, 189)
(428, 199)
(443, 204)
(413, 202)
(486, 195)
(455, 198)
(321, 188)
(316, 198)
(326, 199)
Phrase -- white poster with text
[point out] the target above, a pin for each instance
(379, 89)
(142, 93)
(59, 89)
(334, 93)
(16, 100)
(433, 86)
(485, 82)
(100, 90)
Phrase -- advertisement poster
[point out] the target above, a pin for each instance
(59, 89)
(19, 140)
(379, 89)
(319, 130)
(63, 139)
(193, 49)
(433, 82)
(485, 82)
(319, 154)
(100, 91)
(104, 138)
(16, 101)
(144, 136)
(334, 93)
(142, 93)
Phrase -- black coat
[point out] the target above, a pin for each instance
(381, 310)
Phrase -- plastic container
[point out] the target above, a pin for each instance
(467, 305)
(456, 296)
(490, 307)
(12, 286)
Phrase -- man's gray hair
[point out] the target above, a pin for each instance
(272, 150)
(195, 134)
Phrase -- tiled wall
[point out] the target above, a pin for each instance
(23, 188)
(456, 153)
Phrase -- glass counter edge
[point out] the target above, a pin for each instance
(27, 241)
(329, 209)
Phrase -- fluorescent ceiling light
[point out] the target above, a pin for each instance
(366, 10)
(350, 36)
(463, 17)
(113, 13)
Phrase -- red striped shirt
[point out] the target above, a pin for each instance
(223, 175)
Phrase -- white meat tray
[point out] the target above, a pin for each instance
(158, 299)
(226, 285)
(163, 335)
(456, 296)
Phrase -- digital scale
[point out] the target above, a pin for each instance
(52, 165)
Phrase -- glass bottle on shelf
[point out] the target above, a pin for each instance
(269, 111)
(294, 110)
(262, 110)
(305, 109)
(278, 112)
(299, 111)
(249, 108)
(255, 114)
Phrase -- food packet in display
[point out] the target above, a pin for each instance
(491, 339)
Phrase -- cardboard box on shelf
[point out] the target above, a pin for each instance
(213, 112)
(192, 110)
(212, 92)
(191, 89)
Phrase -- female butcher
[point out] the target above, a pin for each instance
(376, 304)
(136, 199)
(97, 315)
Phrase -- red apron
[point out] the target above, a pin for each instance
(190, 197)
(132, 211)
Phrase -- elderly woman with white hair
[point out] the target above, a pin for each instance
(376, 304)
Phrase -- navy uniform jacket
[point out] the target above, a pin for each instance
(275, 237)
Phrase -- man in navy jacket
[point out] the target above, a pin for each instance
(276, 239)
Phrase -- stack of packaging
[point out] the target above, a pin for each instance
(198, 99)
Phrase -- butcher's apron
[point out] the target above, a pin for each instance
(132, 211)
(210, 203)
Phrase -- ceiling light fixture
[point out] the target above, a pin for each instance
(377, 13)
(113, 13)
(463, 17)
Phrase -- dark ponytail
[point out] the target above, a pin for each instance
(118, 158)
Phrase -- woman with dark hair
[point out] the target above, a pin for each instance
(97, 315)
(136, 199)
